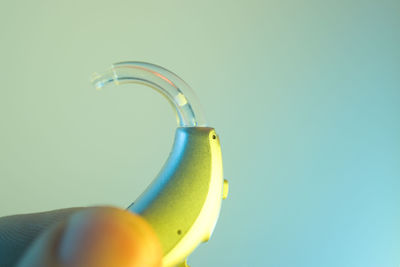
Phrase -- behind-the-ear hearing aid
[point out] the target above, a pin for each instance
(183, 202)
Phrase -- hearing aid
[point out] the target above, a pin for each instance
(183, 202)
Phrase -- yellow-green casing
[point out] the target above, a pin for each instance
(182, 204)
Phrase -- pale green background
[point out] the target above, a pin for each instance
(304, 94)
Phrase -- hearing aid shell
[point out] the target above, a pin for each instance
(183, 202)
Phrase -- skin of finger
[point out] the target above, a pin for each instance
(97, 237)
(17, 232)
(120, 237)
(41, 252)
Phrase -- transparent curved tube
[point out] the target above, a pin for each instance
(177, 92)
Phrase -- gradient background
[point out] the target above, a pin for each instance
(304, 94)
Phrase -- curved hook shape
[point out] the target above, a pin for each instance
(173, 88)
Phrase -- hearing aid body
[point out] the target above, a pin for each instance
(183, 203)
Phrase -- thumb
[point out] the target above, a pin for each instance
(98, 237)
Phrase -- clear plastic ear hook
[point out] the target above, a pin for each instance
(177, 92)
